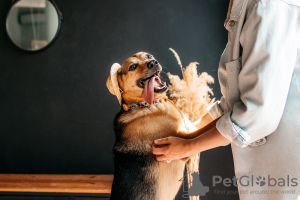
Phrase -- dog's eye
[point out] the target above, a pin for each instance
(148, 56)
(133, 67)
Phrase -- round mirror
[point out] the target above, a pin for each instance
(33, 25)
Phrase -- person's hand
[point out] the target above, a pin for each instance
(171, 148)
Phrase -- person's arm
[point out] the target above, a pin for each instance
(206, 119)
(201, 131)
(173, 148)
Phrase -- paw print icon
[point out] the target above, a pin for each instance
(261, 181)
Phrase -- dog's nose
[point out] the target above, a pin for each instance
(153, 63)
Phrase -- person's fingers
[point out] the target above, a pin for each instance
(158, 150)
(161, 158)
(162, 141)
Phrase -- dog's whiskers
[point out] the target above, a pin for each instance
(164, 67)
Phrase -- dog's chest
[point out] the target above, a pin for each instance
(143, 126)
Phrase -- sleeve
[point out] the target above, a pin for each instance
(218, 108)
(270, 42)
(215, 110)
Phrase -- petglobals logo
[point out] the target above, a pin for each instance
(250, 184)
(252, 180)
(196, 188)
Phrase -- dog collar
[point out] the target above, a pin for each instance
(144, 103)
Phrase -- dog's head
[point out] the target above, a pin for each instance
(138, 79)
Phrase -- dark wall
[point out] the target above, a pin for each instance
(55, 110)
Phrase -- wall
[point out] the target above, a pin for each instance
(56, 112)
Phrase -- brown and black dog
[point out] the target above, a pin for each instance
(137, 174)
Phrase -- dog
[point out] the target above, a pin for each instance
(146, 115)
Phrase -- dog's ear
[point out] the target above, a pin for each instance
(112, 82)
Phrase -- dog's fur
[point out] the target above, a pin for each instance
(137, 174)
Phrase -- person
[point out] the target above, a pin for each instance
(259, 111)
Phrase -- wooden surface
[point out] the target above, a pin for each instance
(55, 183)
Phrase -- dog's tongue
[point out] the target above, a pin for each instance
(148, 92)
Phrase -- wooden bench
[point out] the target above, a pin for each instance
(77, 187)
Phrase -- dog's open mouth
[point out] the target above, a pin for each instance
(159, 84)
(151, 84)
